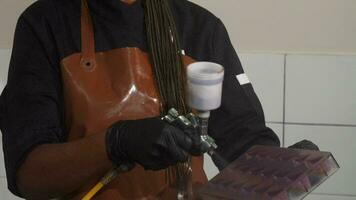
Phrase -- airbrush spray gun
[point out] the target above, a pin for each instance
(204, 89)
(204, 92)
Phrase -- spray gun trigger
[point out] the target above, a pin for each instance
(193, 120)
(168, 119)
(173, 112)
(184, 121)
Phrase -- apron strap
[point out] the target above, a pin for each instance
(87, 38)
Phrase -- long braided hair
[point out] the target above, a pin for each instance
(168, 70)
(165, 55)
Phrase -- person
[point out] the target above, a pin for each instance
(88, 82)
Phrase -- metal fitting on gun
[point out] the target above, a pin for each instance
(190, 121)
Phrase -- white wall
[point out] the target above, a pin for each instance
(298, 56)
(9, 12)
(326, 26)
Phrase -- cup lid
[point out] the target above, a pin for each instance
(205, 71)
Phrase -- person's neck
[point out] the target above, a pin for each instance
(128, 1)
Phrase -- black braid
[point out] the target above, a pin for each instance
(168, 70)
(165, 55)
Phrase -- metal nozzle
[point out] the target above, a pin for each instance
(208, 142)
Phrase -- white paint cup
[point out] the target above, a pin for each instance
(204, 85)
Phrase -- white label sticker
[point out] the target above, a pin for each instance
(242, 79)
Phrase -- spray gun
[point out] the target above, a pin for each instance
(204, 88)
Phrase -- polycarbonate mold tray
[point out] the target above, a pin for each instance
(266, 173)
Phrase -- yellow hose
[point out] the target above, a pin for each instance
(93, 191)
(104, 181)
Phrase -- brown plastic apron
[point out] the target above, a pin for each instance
(101, 88)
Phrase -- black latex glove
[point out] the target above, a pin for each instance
(305, 144)
(151, 142)
(196, 148)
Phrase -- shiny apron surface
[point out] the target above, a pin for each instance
(104, 87)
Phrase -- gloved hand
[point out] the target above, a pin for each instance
(196, 148)
(151, 142)
(305, 144)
